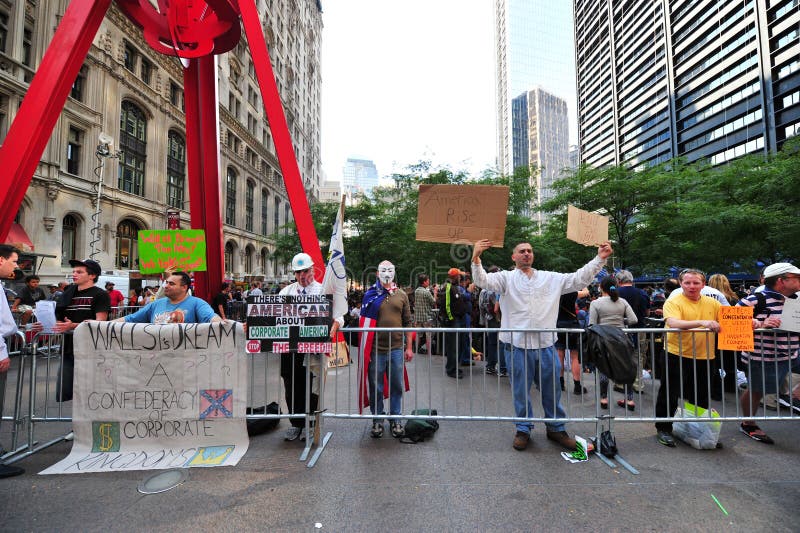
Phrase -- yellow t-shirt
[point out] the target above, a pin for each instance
(693, 342)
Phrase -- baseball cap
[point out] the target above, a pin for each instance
(92, 266)
(777, 269)
(453, 272)
(301, 261)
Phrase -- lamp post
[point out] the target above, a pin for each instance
(103, 152)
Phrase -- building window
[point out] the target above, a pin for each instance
(230, 198)
(133, 143)
(248, 261)
(228, 257)
(3, 30)
(79, 84)
(74, 144)
(69, 233)
(130, 57)
(264, 212)
(176, 169)
(249, 198)
(286, 218)
(27, 46)
(277, 214)
(263, 261)
(174, 94)
(127, 252)
(146, 71)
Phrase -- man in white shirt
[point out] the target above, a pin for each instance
(293, 364)
(529, 300)
(8, 262)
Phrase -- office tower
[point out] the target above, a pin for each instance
(359, 176)
(534, 47)
(712, 79)
(540, 140)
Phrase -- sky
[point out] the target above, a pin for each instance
(408, 81)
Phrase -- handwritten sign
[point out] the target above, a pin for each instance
(462, 213)
(283, 324)
(586, 228)
(179, 249)
(790, 317)
(156, 396)
(736, 328)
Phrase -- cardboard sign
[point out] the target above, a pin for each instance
(340, 355)
(462, 213)
(736, 328)
(157, 396)
(790, 317)
(583, 227)
(283, 324)
(180, 249)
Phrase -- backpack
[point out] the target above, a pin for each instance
(257, 426)
(419, 429)
(486, 305)
(612, 351)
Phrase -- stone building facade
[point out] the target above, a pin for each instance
(134, 95)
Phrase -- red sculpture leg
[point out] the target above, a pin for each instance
(202, 158)
(44, 101)
(281, 135)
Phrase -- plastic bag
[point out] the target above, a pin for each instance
(698, 435)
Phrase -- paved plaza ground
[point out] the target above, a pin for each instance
(467, 478)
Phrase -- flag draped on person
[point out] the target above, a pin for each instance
(370, 306)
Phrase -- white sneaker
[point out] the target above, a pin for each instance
(292, 433)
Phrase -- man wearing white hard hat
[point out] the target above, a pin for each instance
(775, 352)
(293, 364)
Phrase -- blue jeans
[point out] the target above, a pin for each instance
(524, 372)
(379, 365)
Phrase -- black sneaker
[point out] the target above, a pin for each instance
(492, 371)
(666, 438)
(787, 400)
(10, 471)
(579, 389)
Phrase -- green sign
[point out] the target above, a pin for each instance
(180, 249)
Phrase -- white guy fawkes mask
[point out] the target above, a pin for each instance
(386, 273)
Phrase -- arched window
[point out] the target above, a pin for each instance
(230, 198)
(228, 257)
(133, 143)
(249, 208)
(176, 169)
(248, 260)
(69, 234)
(127, 250)
(277, 215)
(264, 212)
(263, 261)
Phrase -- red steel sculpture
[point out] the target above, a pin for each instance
(195, 31)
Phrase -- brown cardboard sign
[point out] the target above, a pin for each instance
(458, 213)
(586, 228)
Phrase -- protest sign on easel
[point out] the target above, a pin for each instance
(790, 317)
(586, 228)
(736, 328)
(284, 324)
(157, 396)
(462, 213)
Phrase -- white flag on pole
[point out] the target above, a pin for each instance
(335, 280)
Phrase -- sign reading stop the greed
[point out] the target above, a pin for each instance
(287, 324)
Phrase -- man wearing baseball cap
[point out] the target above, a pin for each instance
(775, 351)
(81, 301)
(293, 364)
(453, 309)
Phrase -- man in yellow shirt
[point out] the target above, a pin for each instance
(685, 372)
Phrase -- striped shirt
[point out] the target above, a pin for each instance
(774, 344)
(423, 305)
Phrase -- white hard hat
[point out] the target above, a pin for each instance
(301, 261)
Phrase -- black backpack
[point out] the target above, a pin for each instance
(612, 351)
(419, 429)
(257, 426)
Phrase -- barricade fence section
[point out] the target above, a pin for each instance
(472, 374)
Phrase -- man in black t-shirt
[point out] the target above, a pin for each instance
(220, 302)
(26, 299)
(81, 301)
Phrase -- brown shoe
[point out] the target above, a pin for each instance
(521, 440)
(562, 438)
